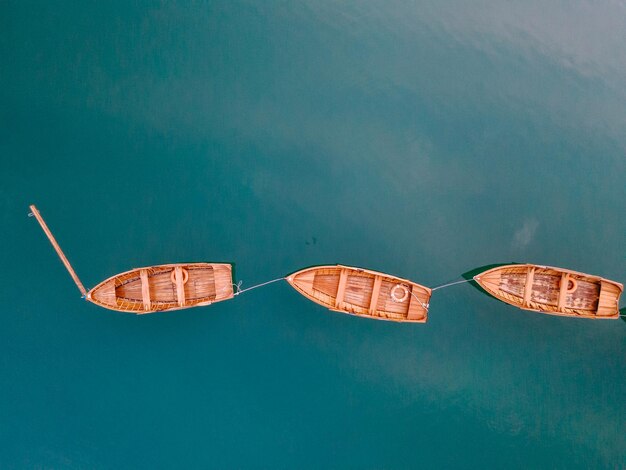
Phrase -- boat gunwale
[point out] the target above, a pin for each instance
(562, 311)
(291, 278)
(201, 303)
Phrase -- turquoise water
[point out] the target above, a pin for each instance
(421, 140)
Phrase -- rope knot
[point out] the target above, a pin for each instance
(237, 288)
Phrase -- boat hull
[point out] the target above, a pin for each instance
(363, 293)
(554, 291)
(165, 287)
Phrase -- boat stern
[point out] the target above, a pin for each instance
(608, 302)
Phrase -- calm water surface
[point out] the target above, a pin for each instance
(418, 139)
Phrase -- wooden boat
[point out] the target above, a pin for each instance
(165, 287)
(363, 292)
(155, 288)
(554, 291)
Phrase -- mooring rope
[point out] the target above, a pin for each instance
(451, 284)
(424, 306)
(241, 291)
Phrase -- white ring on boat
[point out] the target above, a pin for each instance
(185, 276)
(574, 285)
(405, 293)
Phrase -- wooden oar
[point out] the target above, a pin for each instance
(56, 246)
